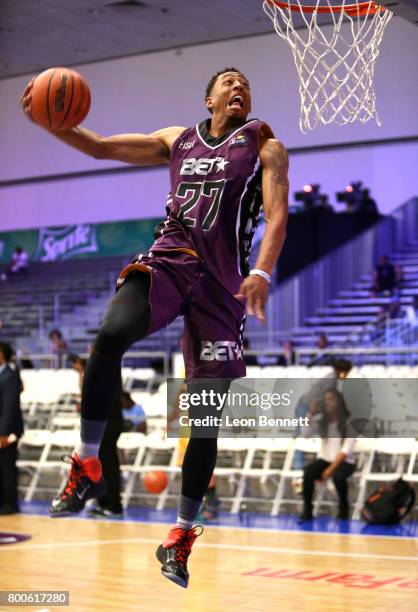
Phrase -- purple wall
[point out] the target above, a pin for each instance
(143, 93)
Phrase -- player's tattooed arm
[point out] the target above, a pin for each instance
(275, 186)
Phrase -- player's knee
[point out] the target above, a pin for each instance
(113, 339)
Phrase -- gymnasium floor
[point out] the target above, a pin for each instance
(250, 562)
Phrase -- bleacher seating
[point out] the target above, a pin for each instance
(49, 292)
(346, 316)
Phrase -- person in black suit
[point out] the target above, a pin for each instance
(11, 428)
(288, 358)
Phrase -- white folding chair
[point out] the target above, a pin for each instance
(31, 439)
(268, 447)
(131, 443)
(305, 445)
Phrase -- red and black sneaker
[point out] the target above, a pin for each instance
(174, 552)
(84, 482)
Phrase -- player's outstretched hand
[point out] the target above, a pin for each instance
(255, 290)
(26, 99)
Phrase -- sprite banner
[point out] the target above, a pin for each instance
(80, 241)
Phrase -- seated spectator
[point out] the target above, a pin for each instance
(79, 365)
(335, 459)
(321, 357)
(250, 360)
(58, 348)
(18, 265)
(288, 358)
(384, 277)
(342, 367)
(23, 360)
(134, 415)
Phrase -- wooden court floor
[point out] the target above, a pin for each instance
(111, 566)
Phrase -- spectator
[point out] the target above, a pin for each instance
(322, 341)
(384, 277)
(288, 358)
(335, 459)
(400, 277)
(250, 360)
(58, 348)
(311, 400)
(321, 357)
(23, 360)
(11, 428)
(18, 264)
(133, 414)
(79, 365)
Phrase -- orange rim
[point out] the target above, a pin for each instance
(361, 8)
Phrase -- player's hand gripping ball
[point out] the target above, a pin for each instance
(57, 99)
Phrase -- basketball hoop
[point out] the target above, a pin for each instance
(335, 63)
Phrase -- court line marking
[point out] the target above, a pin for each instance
(238, 527)
(238, 547)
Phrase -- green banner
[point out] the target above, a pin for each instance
(80, 241)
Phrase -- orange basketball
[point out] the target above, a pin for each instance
(155, 482)
(60, 99)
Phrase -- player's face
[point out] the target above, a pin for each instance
(230, 95)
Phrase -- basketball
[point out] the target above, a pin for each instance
(60, 99)
(155, 482)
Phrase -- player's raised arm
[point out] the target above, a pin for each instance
(139, 149)
(275, 186)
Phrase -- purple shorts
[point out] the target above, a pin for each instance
(213, 318)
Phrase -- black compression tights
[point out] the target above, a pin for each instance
(127, 321)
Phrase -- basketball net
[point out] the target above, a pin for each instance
(335, 63)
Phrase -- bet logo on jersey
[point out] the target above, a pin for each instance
(222, 350)
(202, 166)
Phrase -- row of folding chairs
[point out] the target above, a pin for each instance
(241, 461)
(251, 458)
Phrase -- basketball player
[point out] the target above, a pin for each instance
(222, 171)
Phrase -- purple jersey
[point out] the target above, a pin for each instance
(215, 201)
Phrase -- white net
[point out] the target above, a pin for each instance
(335, 63)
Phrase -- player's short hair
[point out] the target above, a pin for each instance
(211, 83)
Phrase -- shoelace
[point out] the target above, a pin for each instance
(184, 544)
(75, 474)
